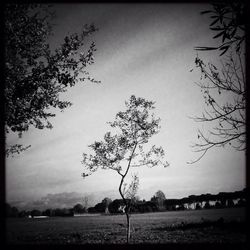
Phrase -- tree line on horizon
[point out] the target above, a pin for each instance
(157, 203)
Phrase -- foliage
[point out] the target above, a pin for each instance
(124, 150)
(224, 86)
(225, 199)
(230, 203)
(224, 93)
(85, 200)
(159, 199)
(130, 192)
(114, 205)
(144, 207)
(159, 195)
(207, 205)
(63, 212)
(229, 25)
(35, 212)
(11, 211)
(78, 208)
(100, 207)
(34, 74)
(91, 210)
(48, 212)
(106, 201)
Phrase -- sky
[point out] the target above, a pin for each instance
(146, 50)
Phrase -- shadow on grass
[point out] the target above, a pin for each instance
(235, 226)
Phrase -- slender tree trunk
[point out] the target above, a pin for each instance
(106, 210)
(128, 228)
(127, 208)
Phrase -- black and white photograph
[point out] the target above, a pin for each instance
(125, 123)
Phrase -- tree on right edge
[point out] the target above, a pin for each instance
(224, 86)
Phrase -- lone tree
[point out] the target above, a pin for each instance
(85, 200)
(34, 74)
(78, 208)
(159, 199)
(224, 86)
(125, 149)
(106, 201)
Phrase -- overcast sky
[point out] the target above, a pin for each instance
(146, 50)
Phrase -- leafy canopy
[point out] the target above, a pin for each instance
(34, 74)
(229, 21)
(134, 126)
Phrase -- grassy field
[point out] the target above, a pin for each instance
(163, 227)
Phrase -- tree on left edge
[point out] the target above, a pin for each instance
(35, 75)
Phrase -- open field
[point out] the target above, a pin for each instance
(162, 227)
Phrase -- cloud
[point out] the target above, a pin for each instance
(59, 200)
(64, 200)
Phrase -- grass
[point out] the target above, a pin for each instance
(237, 226)
(215, 225)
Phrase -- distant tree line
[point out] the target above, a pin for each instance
(220, 200)
(14, 212)
(157, 203)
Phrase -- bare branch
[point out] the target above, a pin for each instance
(224, 95)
